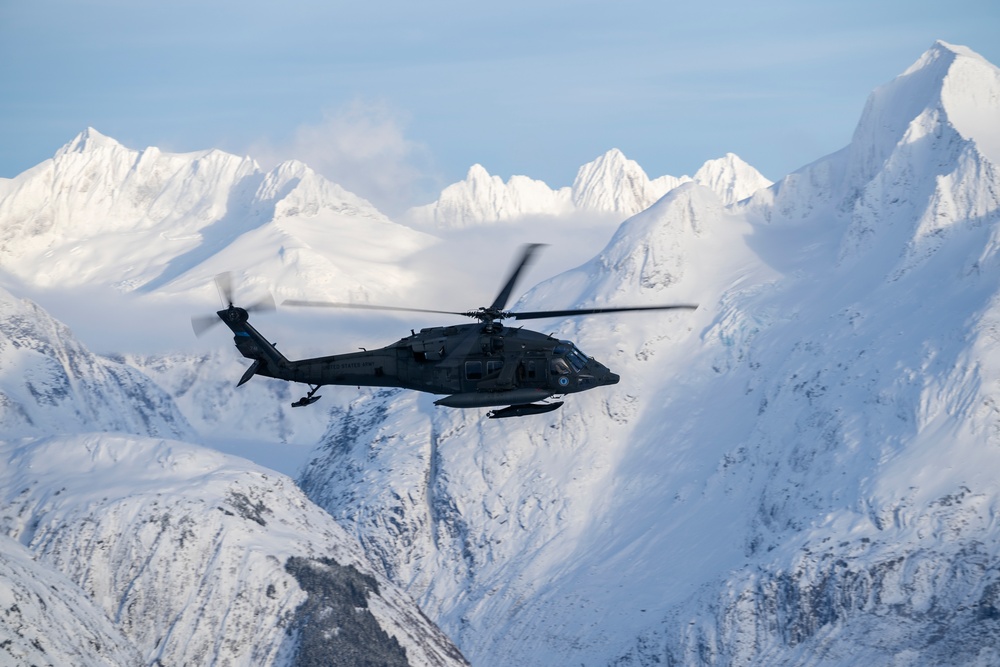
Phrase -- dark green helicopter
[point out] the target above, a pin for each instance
(477, 365)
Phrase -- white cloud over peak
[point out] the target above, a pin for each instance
(361, 146)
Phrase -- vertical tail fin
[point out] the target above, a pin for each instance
(252, 345)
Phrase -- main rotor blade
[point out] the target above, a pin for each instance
(263, 305)
(501, 301)
(540, 314)
(364, 306)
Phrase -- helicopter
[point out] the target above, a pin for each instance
(481, 365)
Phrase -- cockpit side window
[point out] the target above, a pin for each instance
(559, 366)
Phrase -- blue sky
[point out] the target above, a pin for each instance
(395, 100)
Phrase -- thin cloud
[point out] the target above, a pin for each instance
(362, 147)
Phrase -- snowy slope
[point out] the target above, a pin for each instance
(192, 556)
(611, 184)
(51, 383)
(101, 214)
(255, 420)
(800, 472)
(48, 620)
(200, 558)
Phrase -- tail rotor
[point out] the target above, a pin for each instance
(224, 283)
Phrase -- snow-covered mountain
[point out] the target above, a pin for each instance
(610, 184)
(197, 558)
(51, 383)
(99, 213)
(800, 472)
(485, 198)
(255, 421)
(121, 548)
(731, 178)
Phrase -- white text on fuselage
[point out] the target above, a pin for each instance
(353, 365)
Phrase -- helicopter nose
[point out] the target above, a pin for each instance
(613, 378)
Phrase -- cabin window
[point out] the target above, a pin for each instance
(494, 366)
(473, 370)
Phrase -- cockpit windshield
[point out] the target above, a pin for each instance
(575, 357)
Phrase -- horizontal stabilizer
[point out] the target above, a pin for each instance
(250, 372)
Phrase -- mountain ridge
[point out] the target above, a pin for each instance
(610, 184)
(100, 213)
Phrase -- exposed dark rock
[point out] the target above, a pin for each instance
(334, 625)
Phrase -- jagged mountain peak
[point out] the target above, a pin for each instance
(922, 167)
(610, 185)
(89, 140)
(943, 50)
(485, 198)
(731, 177)
(291, 168)
(611, 160)
(480, 182)
(923, 155)
(312, 192)
(612, 182)
(99, 213)
(948, 85)
(477, 172)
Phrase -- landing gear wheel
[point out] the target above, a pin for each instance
(308, 399)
